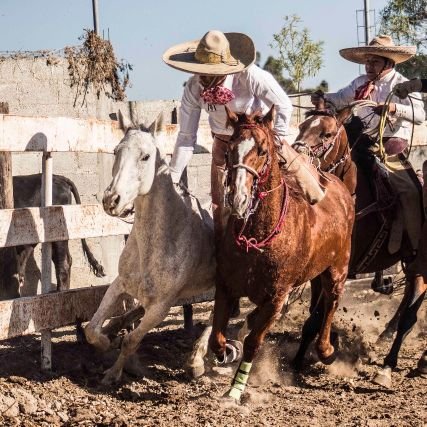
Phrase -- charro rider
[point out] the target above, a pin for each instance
(224, 74)
(380, 58)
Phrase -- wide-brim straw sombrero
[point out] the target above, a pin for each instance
(216, 53)
(381, 46)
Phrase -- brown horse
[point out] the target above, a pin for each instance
(275, 241)
(324, 138)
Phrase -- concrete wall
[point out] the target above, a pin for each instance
(38, 86)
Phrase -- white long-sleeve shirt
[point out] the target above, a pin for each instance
(402, 126)
(254, 89)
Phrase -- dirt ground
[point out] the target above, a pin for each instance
(341, 394)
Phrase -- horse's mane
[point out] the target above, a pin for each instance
(329, 113)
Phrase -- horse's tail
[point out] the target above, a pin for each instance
(96, 268)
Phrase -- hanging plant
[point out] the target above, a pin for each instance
(93, 66)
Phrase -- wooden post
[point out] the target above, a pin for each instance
(8, 289)
(46, 273)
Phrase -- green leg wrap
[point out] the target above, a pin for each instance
(240, 379)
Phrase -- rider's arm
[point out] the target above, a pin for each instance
(266, 88)
(408, 110)
(344, 96)
(418, 114)
(188, 124)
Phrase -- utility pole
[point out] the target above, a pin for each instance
(366, 14)
(95, 16)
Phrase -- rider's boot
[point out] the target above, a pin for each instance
(304, 173)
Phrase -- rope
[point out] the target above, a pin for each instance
(383, 124)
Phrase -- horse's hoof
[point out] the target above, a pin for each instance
(196, 371)
(134, 367)
(384, 337)
(383, 377)
(99, 341)
(330, 359)
(422, 364)
(112, 376)
(232, 396)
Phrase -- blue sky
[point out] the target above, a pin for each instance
(141, 30)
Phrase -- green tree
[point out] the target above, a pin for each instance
(299, 55)
(406, 21)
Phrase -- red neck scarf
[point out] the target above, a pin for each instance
(364, 91)
(218, 95)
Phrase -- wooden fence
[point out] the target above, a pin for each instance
(47, 224)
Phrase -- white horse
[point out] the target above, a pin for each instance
(170, 251)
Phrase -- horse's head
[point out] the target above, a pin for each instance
(251, 150)
(134, 166)
(320, 134)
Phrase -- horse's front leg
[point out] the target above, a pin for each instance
(333, 281)
(266, 315)
(155, 312)
(222, 311)
(196, 362)
(312, 324)
(93, 330)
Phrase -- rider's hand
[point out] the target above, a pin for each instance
(402, 90)
(317, 97)
(378, 109)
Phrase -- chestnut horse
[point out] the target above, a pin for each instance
(324, 138)
(275, 241)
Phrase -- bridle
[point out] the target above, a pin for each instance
(258, 194)
(321, 151)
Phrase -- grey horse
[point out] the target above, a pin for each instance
(170, 251)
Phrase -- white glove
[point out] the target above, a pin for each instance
(402, 90)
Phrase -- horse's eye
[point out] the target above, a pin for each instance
(261, 151)
(145, 158)
(328, 135)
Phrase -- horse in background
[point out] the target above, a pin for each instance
(169, 253)
(276, 241)
(323, 137)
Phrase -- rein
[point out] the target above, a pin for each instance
(258, 195)
(246, 243)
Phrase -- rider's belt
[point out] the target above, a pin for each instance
(393, 145)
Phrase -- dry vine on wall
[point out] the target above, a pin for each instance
(93, 65)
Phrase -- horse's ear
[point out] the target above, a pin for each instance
(344, 115)
(232, 117)
(270, 117)
(124, 122)
(158, 125)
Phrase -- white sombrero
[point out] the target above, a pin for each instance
(381, 46)
(216, 53)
